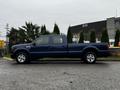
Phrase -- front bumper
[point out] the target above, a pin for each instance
(12, 56)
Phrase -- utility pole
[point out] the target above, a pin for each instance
(7, 38)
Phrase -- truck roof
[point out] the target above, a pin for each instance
(53, 35)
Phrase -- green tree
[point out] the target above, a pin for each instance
(47, 32)
(92, 37)
(26, 33)
(36, 31)
(32, 31)
(81, 39)
(105, 37)
(13, 37)
(21, 35)
(56, 29)
(117, 37)
(44, 31)
(69, 36)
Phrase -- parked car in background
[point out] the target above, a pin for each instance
(56, 46)
(2, 48)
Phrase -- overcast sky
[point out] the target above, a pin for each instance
(63, 12)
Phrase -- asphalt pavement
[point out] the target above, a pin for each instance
(60, 75)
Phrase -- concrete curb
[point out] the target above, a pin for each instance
(6, 58)
(109, 60)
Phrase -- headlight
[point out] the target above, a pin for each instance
(13, 48)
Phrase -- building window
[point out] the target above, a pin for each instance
(85, 25)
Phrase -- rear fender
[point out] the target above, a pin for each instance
(21, 50)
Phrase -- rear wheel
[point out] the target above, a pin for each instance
(22, 57)
(90, 57)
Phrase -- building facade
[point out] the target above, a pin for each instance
(111, 24)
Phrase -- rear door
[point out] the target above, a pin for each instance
(58, 47)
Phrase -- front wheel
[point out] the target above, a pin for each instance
(22, 58)
(90, 57)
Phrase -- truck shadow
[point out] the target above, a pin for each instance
(63, 62)
(66, 62)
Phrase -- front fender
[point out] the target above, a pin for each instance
(20, 49)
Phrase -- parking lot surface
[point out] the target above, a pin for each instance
(60, 75)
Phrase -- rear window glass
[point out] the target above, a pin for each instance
(57, 40)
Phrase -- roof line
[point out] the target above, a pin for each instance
(89, 23)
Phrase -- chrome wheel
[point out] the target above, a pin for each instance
(90, 58)
(21, 58)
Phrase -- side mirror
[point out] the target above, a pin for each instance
(34, 44)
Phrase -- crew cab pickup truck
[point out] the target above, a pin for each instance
(56, 46)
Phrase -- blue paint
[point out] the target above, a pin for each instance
(60, 50)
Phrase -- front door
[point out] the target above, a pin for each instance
(40, 47)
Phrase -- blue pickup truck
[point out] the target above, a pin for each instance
(56, 46)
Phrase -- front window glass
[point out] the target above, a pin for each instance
(42, 41)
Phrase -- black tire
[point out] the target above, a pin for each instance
(89, 57)
(22, 58)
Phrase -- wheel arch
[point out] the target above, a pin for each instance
(21, 50)
(90, 49)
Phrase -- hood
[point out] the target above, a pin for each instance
(21, 45)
